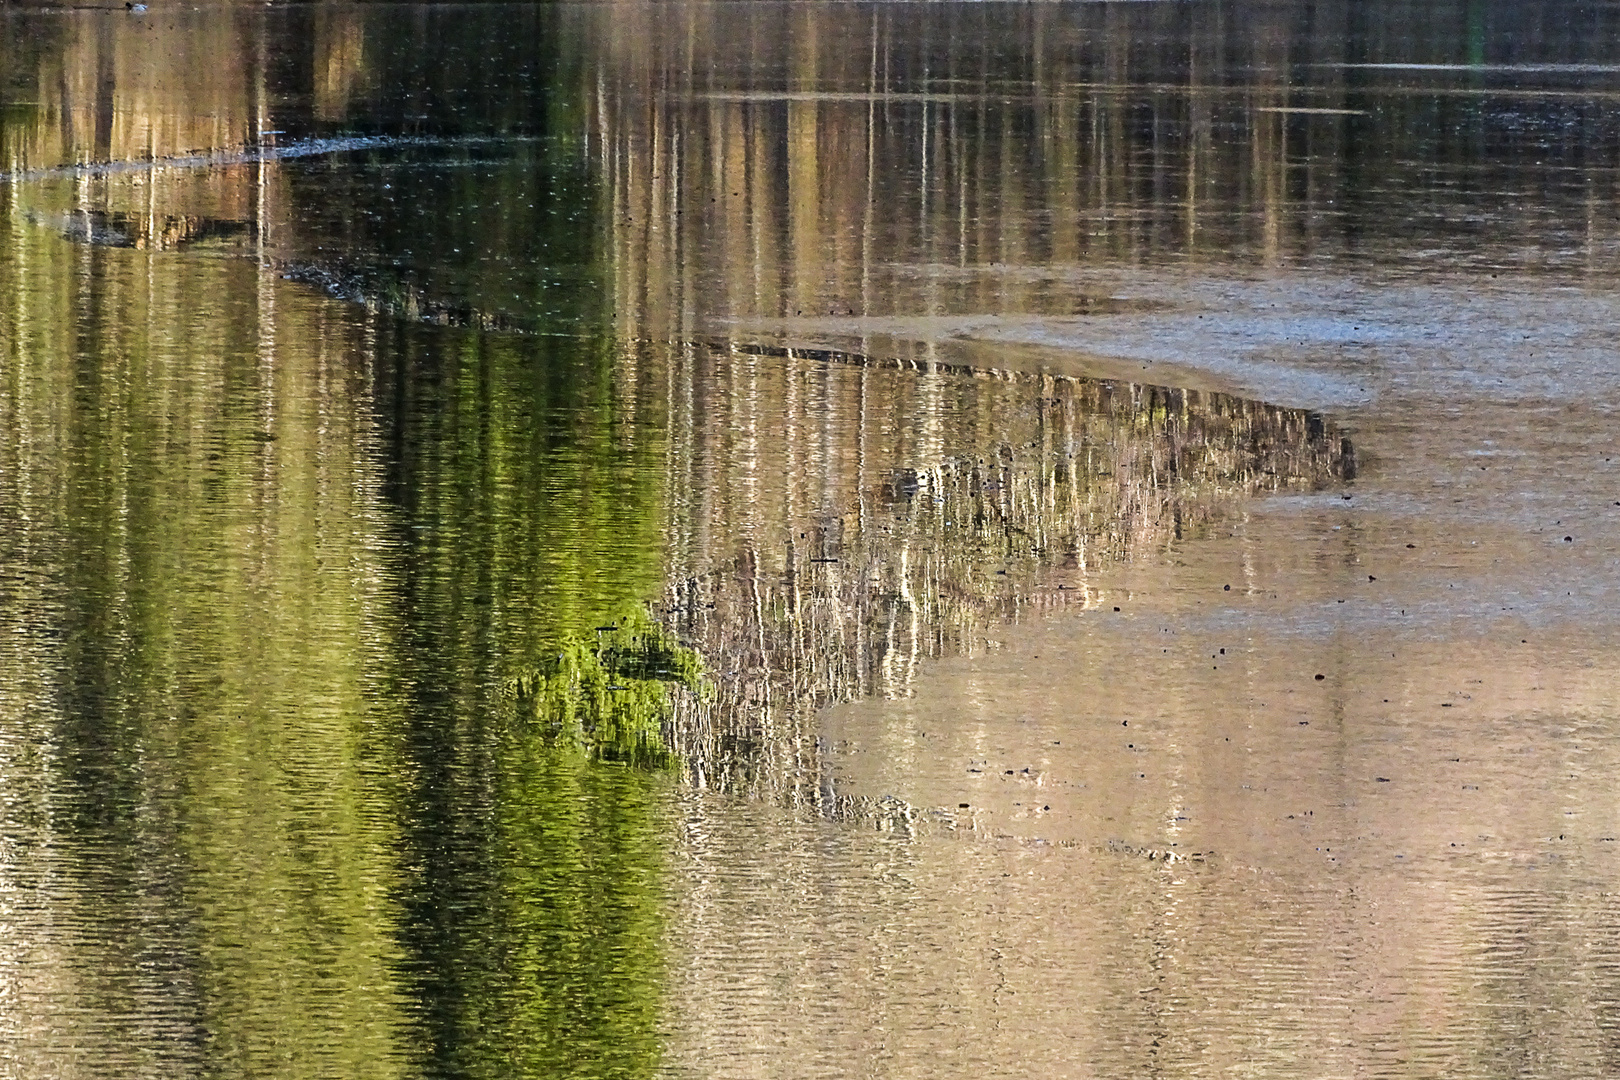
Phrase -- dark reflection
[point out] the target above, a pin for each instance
(505, 236)
(968, 159)
(857, 160)
(168, 233)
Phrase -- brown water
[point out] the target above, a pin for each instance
(1138, 479)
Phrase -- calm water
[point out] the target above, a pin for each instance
(736, 540)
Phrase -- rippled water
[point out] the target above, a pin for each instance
(809, 539)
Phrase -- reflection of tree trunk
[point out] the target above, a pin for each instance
(106, 89)
(340, 61)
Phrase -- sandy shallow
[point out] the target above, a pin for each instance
(1471, 566)
(1330, 793)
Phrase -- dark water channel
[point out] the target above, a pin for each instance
(809, 539)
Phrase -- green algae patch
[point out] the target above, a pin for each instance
(610, 693)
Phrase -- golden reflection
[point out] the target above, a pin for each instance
(142, 92)
(340, 61)
(800, 196)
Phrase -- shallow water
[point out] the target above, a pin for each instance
(1138, 480)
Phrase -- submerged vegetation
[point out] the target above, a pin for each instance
(609, 693)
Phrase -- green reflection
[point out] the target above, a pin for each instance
(534, 923)
(610, 696)
(191, 496)
(329, 747)
(525, 471)
(527, 474)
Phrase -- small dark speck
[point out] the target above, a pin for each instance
(1445, 704)
(1382, 779)
(1319, 678)
(961, 806)
(1371, 578)
(1226, 588)
(1569, 539)
(1116, 609)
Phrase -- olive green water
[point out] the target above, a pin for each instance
(809, 540)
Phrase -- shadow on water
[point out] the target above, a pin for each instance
(166, 234)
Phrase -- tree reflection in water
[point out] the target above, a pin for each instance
(914, 508)
(310, 743)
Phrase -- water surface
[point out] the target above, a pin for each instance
(791, 539)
